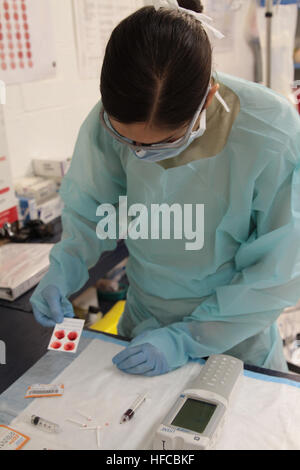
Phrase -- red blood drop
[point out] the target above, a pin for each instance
(60, 334)
(69, 346)
(56, 345)
(72, 336)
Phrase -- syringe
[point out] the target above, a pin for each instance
(130, 412)
(42, 423)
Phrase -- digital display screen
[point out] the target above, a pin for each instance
(194, 415)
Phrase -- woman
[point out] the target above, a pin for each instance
(160, 135)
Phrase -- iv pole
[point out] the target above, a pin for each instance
(269, 16)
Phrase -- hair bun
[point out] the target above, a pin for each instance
(194, 5)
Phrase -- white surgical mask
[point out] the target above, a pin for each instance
(159, 155)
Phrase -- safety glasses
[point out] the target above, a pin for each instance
(161, 146)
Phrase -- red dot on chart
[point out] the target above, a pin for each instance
(7, 16)
(27, 35)
(25, 26)
(28, 45)
(16, 16)
(17, 26)
(6, 5)
(20, 55)
(9, 36)
(1, 46)
(15, 6)
(12, 55)
(10, 45)
(23, 7)
(1, 36)
(13, 65)
(29, 55)
(24, 16)
(8, 26)
(30, 63)
(18, 35)
(4, 66)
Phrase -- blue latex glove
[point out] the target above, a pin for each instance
(50, 307)
(144, 359)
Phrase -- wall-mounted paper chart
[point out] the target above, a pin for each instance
(27, 50)
(94, 22)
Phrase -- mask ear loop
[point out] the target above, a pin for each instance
(222, 101)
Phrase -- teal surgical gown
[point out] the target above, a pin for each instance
(226, 296)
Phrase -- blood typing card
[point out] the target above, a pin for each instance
(66, 335)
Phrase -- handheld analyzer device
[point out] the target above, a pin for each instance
(196, 420)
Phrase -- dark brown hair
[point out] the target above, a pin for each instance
(157, 67)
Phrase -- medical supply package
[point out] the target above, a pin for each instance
(44, 390)
(10, 439)
(22, 266)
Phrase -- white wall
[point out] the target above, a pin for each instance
(233, 54)
(43, 117)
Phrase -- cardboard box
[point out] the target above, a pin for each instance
(46, 211)
(36, 188)
(51, 168)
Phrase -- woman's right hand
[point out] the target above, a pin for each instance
(49, 306)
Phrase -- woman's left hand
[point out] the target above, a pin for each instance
(144, 359)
